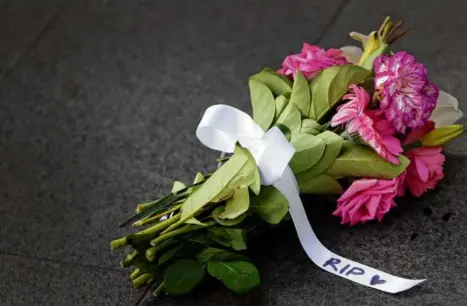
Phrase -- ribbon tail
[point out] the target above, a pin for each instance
(326, 259)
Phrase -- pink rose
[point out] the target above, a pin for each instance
(426, 163)
(311, 61)
(367, 199)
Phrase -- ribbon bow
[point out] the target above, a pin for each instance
(222, 126)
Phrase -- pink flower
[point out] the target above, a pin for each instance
(425, 169)
(358, 101)
(407, 97)
(372, 126)
(426, 163)
(367, 199)
(311, 61)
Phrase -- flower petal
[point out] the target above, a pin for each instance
(445, 99)
(352, 54)
(446, 116)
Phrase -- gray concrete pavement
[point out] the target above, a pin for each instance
(98, 105)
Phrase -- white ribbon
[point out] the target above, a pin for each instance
(222, 126)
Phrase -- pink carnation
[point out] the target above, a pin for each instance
(367, 199)
(426, 163)
(311, 61)
(372, 126)
(407, 97)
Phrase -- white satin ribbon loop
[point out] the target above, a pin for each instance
(222, 126)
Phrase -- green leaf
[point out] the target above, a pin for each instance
(270, 205)
(291, 118)
(237, 204)
(202, 239)
(217, 213)
(360, 161)
(190, 250)
(199, 177)
(208, 253)
(310, 126)
(177, 186)
(300, 96)
(285, 130)
(182, 276)
(234, 238)
(368, 62)
(239, 171)
(195, 221)
(320, 184)
(219, 255)
(277, 83)
(330, 86)
(230, 256)
(333, 147)
(280, 102)
(262, 102)
(239, 276)
(169, 254)
(309, 150)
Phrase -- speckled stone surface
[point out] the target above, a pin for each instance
(100, 110)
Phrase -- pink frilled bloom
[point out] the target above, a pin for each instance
(367, 199)
(426, 163)
(407, 97)
(372, 126)
(311, 61)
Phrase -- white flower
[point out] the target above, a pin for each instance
(447, 109)
(352, 54)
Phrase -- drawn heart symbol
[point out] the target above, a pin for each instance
(375, 280)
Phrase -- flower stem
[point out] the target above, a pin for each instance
(180, 231)
(142, 206)
(144, 234)
(142, 280)
(128, 261)
(118, 243)
(156, 228)
(135, 274)
(152, 251)
(412, 145)
(156, 217)
(158, 289)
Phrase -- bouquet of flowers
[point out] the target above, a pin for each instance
(364, 125)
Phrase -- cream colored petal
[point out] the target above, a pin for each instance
(446, 116)
(446, 99)
(352, 53)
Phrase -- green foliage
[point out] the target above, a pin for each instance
(321, 184)
(182, 276)
(237, 204)
(360, 161)
(270, 205)
(262, 102)
(328, 88)
(238, 276)
(239, 171)
(300, 95)
(219, 211)
(291, 118)
(234, 238)
(309, 150)
(280, 104)
(310, 126)
(277, 83)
